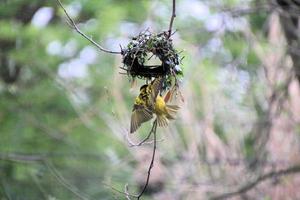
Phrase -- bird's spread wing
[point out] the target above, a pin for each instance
(143, 111)
(140, 114)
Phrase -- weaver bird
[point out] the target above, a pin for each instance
(150, 102)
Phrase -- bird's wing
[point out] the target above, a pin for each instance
(156, 86)
(140, 114)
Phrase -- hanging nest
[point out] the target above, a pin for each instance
(160, 45)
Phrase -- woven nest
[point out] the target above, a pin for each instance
(160, 45)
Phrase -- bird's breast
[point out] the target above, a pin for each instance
(160, 106)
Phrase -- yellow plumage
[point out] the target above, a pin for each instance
(148, 102)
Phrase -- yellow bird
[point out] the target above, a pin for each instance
(149, 101)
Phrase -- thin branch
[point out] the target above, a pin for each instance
(38, 184)
(144, 141)
(152, 160)
(241, 11)
(172, 18)
(250, 185)
(25, 158)
(7, 195)
(126, 193)
(38, 157)
(64, 182)
(74, 26)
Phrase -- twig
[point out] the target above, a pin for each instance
(39, 157)
(7, 195)
(241, 11)
(250, 185)
(74, 26)
(64, 182)
(152, 160)
(172, 18)
(25, 158)
(131, 144)
(126, 193)
(39, 185)
(144, 141)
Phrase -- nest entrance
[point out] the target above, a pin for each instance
(136, 56)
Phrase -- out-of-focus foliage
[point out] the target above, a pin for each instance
(65, 108)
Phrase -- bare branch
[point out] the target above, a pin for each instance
(126, 193)
(268, 6)
(248, 186)
(64, 182)
(25, 158)
(6, 193)
(172, 18)
(39, 157)
(144, 141)
(241, 11)
(152, 160)
(74, 26)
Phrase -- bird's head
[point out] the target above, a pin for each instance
(143, 88)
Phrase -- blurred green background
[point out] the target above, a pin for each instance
(65, 108)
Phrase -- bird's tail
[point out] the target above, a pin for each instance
(163, 120)
(171, 111)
